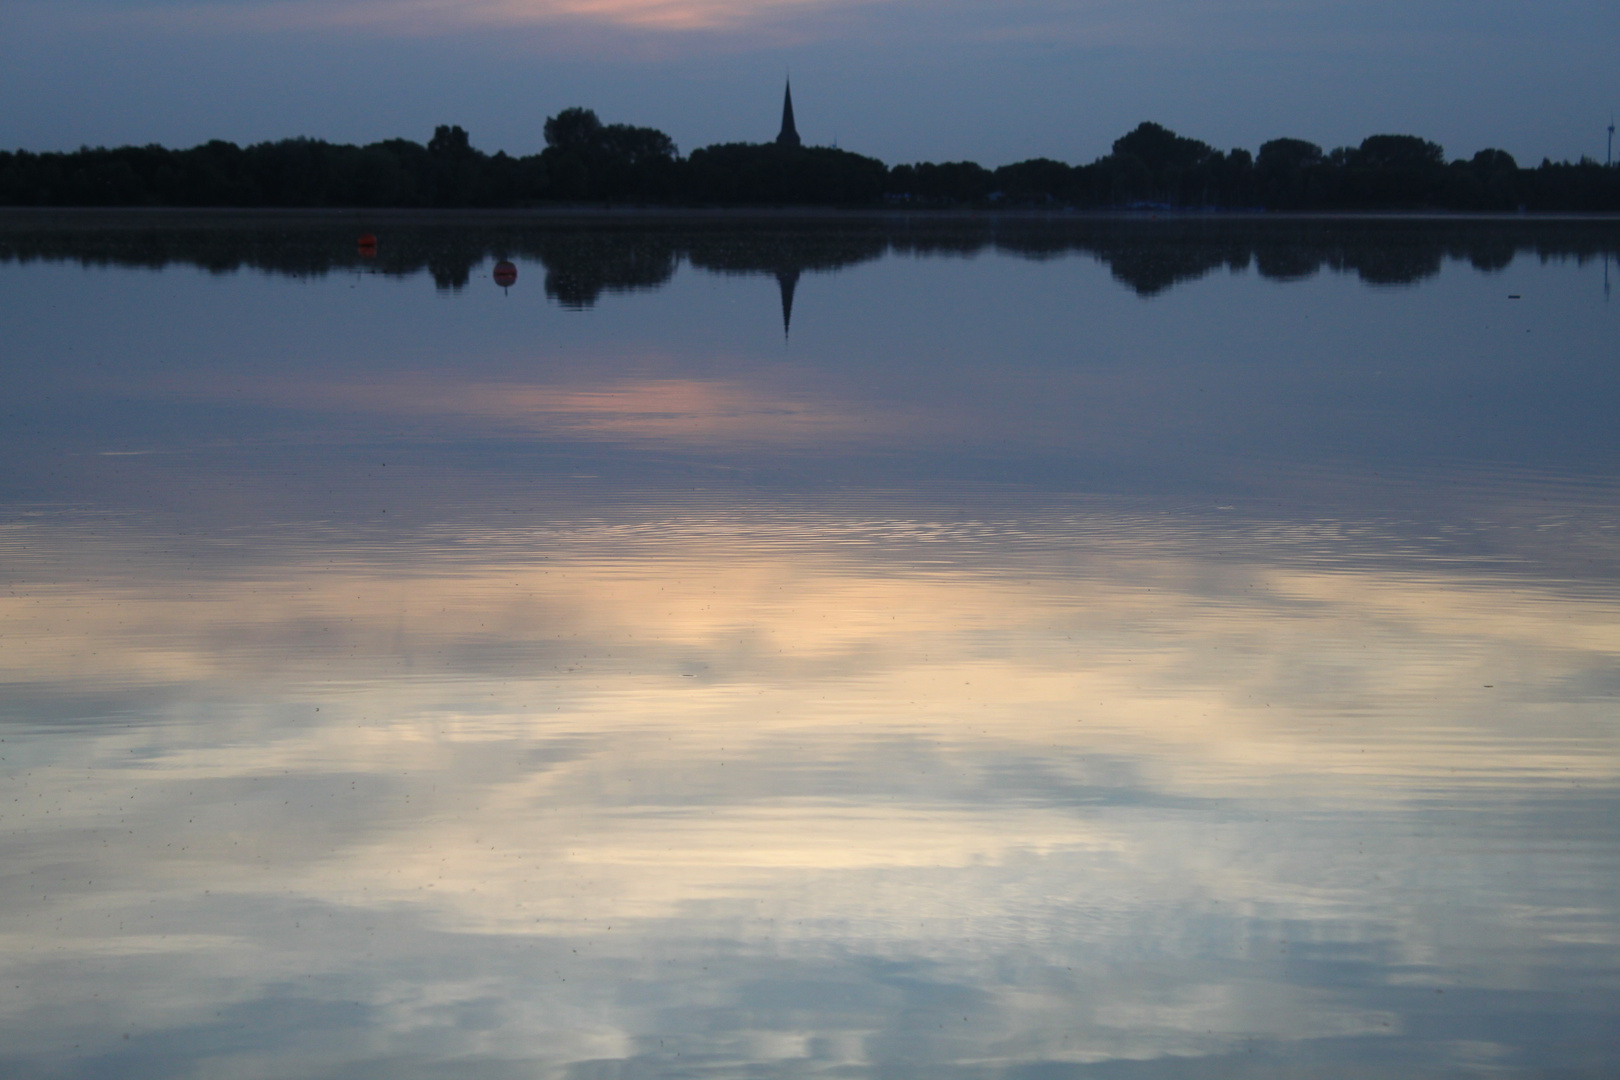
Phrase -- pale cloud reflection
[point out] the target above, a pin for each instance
(1156, 649)
(685, 410)
(678, 756)
(711, 412)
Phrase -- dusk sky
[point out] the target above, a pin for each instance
(902, 80)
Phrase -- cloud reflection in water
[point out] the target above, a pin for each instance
(1101, 801)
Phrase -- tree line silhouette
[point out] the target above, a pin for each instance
(587, 161)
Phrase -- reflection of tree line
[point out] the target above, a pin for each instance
(584, 259)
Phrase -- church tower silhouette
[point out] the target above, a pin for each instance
(789, 135)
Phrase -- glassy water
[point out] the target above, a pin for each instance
(851, 647)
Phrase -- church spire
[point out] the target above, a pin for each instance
(790, 134)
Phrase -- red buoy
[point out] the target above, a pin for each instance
(368, 246)
(505, 273)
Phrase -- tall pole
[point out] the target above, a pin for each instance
(1608, 158)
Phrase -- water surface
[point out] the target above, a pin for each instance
(860, 647)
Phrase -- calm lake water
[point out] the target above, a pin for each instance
(844, 648)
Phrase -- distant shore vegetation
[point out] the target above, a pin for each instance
(587, 161)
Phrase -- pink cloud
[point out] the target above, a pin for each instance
(424, 16)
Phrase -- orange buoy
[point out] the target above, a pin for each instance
(505, 273)
(368, 246)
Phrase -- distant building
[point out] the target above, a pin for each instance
(789, 135)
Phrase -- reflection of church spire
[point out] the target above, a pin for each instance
(788, 280)
(789, 135)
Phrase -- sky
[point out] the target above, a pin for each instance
(993, 81)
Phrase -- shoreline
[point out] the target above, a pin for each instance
(586, 213)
